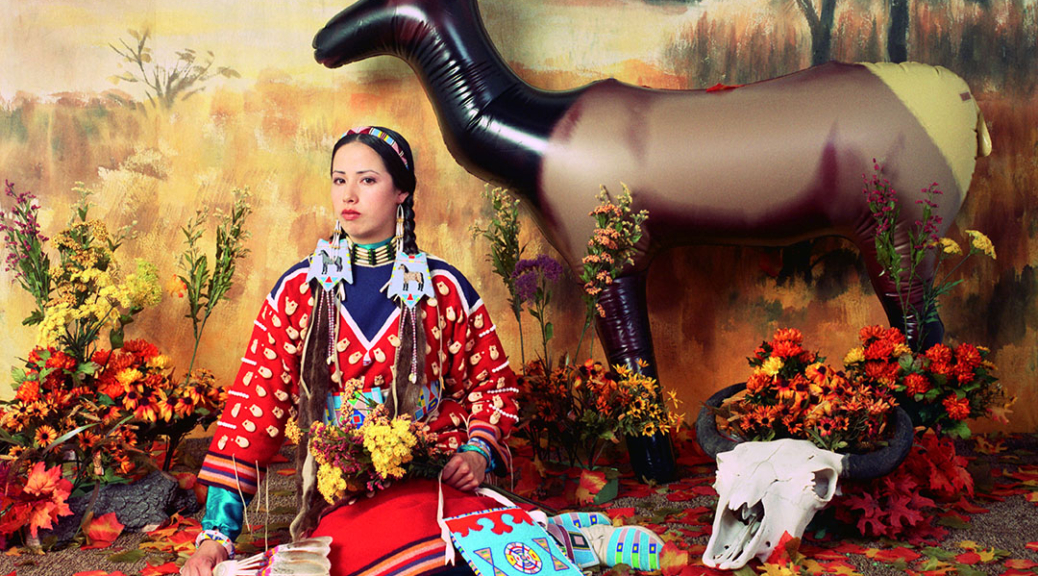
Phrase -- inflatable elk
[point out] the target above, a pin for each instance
(769, 163)
(766, 489)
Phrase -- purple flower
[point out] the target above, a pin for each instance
(530, 271)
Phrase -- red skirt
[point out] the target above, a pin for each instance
(395, 532)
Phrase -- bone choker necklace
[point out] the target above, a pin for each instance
(375, 254)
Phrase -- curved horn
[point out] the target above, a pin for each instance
(709, 438)
(883, 461)
(874, 464)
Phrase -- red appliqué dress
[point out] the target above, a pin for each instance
(394, 532)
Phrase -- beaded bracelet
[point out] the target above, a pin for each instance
(484, 445)
(218, 537)
(473, 448)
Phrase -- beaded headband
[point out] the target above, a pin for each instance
(383, 137)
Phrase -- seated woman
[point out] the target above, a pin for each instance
(426, 348)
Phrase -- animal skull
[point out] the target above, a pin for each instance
(766, 489)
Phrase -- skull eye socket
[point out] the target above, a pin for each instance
(825, 484)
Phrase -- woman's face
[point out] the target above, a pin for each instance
(363, 194)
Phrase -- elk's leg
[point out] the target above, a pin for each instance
(921, 333)
(624, 331)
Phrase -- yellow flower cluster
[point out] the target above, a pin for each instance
(981, 242)
(390, 444)
(646, 412)
(949, 246)
(330, 483)
(98, 297)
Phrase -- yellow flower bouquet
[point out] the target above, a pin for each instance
(644, 408)
(354, 460)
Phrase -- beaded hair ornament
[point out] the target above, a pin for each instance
(381, 136)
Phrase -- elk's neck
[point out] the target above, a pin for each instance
(493, 122)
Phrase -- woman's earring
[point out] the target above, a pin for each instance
(400, 225)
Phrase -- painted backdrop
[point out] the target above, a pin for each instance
(268, 118)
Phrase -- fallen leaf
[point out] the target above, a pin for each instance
(286, 472)
(1020, 563)
(785, 551)
(127, 556)
(985, 446)
(968, 558)
(591, 483)
(102, 531)
(893, 554)
(673, 559)
(186, 480)
(615, 513)
(167, 568)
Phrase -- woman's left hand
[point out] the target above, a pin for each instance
(465, 471)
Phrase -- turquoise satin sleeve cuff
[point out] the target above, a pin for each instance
(224, 511)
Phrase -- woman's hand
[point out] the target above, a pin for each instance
(465, 471)
(201, 563)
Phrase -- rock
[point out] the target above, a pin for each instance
(150, 500)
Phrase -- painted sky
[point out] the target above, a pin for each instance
(63, 45)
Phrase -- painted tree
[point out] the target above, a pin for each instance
(820, 22)
(897, 31)
(166, 84)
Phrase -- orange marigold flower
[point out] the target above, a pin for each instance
(968, 356)
(963, 373)
(788, 335)
(45, 435)
(787, 349)
(869, 333)
(917, 384)
(59, 359)
(958, 408)
(882, 372)
(757, 382)
(939, 353)
(879, 350)
(28, 391)
(142, 349)
(100, 357)
(895, 336)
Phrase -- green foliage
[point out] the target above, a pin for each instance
(205, 288)
(505, 251)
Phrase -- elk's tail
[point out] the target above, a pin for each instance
(946, 109)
